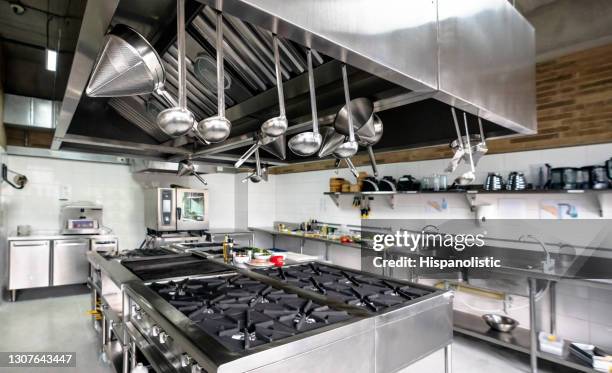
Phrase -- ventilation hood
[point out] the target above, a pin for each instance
(148, 166)
(413, 59)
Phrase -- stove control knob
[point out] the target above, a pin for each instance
(137, 315)
(186, 360)
(155, 330)
(163, 337)
(196, 369)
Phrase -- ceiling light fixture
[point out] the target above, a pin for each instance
(51, 60)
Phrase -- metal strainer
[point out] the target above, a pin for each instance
(126, 66)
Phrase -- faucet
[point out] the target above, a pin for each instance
(548, 264)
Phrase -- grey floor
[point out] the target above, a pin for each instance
(58, 321)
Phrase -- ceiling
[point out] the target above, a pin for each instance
(52, 24)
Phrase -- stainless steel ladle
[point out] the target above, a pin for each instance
(308, 143)
(216, 129)
(276, 126)
(177, 121)
(348, 148)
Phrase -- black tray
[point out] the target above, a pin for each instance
(161, 268)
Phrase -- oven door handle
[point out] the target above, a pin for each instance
(178, 213)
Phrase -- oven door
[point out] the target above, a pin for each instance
(191, 209)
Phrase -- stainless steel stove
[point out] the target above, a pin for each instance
(292, 319)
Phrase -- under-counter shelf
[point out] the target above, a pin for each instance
(518, 340)
(472, 195)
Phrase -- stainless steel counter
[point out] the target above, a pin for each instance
(275, 232)
(55, 235)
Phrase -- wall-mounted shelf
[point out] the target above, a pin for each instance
(335, 196)
(472, 195)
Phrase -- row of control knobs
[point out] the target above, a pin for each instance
(162, 336)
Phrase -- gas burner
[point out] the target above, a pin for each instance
(232, 307)
(354, 288)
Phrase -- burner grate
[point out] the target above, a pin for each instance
(353, 288)
(242, 313)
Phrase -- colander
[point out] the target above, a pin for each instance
(127, 65)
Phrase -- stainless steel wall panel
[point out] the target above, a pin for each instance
(487, 61)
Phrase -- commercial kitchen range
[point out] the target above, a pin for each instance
(187, 311)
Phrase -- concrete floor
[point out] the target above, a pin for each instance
(57, 320)
(52, 320)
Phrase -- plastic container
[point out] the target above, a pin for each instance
(551, 343)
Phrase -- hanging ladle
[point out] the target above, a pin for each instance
(276, 126)
(348, 148)
(470, 175)
(308, 143)
(177, 121)
(349, 164)
(217, 128)
(186, 167)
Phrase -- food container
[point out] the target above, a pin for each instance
(261, 254)
(240, 258)
(277, 260)
(551, 343)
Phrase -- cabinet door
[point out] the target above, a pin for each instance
(28, 264)
(70, 265)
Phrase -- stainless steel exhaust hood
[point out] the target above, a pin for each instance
(412, 58)
(478, 55)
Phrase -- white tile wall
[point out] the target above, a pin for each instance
(113, 186)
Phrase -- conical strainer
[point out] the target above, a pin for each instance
(127, 66)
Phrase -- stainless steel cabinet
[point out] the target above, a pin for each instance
(70, 265)
(28, 264)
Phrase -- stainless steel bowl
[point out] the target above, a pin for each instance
(500, 323)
